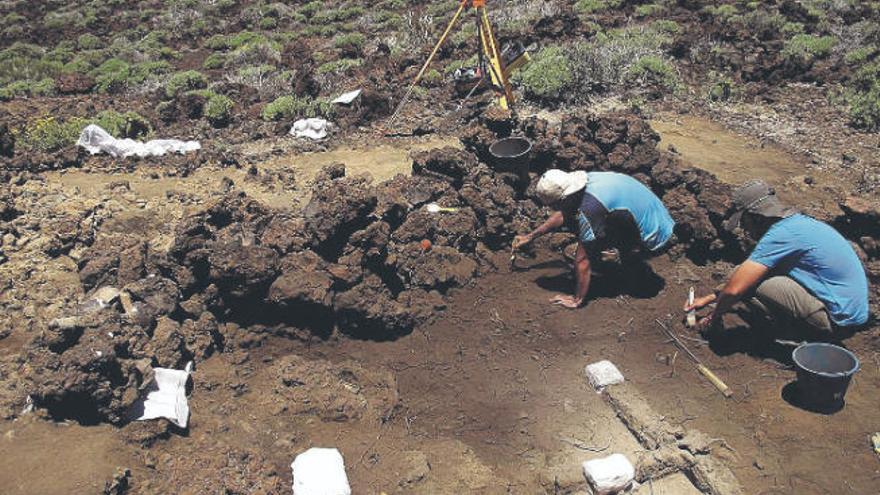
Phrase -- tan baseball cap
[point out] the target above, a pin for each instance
(556, 185)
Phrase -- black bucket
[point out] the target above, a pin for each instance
(511, 154)
(823, 373)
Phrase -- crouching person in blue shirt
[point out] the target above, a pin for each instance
(802, 273)
(605, 210)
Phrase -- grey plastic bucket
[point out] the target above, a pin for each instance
(823, 373)
(511, 154)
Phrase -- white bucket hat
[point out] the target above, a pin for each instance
(556, 184)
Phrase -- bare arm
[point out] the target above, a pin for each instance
(745, 278)
(555, 221)
(582, 276)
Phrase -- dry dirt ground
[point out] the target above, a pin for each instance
(489, 396)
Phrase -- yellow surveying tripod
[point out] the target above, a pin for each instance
(489, 52)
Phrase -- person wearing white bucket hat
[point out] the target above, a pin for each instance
(604, 209)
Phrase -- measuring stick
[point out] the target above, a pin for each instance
(717, 382)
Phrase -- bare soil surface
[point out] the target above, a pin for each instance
(492, 399)
(486, 396)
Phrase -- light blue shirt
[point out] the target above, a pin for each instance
(621, 192)
(818, 258)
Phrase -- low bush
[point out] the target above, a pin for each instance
(185, 81)
(330, 16)
(720, 87)
(117, 75)
(352, 42)
(723, 11)
(861, 55)
(548, 75)
(49, 134)
(591, 6)
(863, 97)
(806, 48)
(654, 70)
(649, 10)
(88, 41)
(123, 125)
(214, 61)
(291, 107)
(339, 66)
(111, 76)
(17, 89)
(218, 109)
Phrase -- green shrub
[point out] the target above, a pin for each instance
(328, 16)
(292, 107)
(322, 31)
(23, 61)
(49, 135)
(339, 66)
(861, 55)
(214, 61)
(723, 11)
(111, 76)
(185, 81)
(255, 53)
(353, 42)
(141, 72)
(17, 89)
(548, 75)
(235, 41)
(432, 77)
(649, 10)
(88, 41)
(591, 6)
(720, 87)
(806, 47)
(116, 75)
(665, 26)
(123, 125)
(656, 70)
(44, 87)
(864, 97)
(792, 28)
(218, 109)
(763, 24)
(311, 8)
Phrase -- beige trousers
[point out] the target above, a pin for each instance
(786, 301)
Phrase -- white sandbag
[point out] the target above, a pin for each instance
(612, 474)
(319, 472)
(166, 397)
(603, 374)
(310, 128)
(347, 98)
(96, 140)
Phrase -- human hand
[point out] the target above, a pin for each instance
(706, 323)
(569, 302)
(699, 303)
(521, 240)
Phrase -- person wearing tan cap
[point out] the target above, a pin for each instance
(802, 272)
(605, 210)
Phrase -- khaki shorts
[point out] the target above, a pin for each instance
(788, 302)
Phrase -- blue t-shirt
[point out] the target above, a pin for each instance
(822, 261)
(622, 192)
